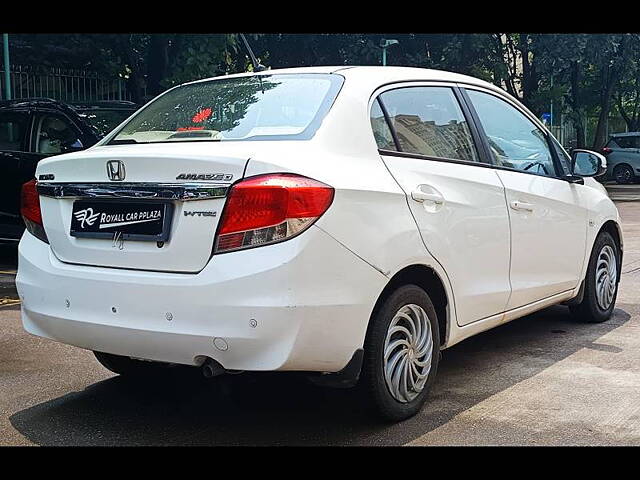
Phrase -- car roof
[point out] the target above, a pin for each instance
(626, 134)
(104, 105)
(373, 74)
(28, 102)
(49, 102)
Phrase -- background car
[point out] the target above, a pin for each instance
(623, 157)
(33, 129)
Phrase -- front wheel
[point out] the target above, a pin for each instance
(601, 282)
(401, 354)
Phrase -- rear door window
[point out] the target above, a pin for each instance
(381, 131)
(429, 121)
(13, 130)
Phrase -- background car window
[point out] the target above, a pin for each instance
(102, 120)
(429, 121)
(54, 134)
(514, 140)
(13, 127)
(380, 127)
(628, 142)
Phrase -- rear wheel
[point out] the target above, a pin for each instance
(623, 174)
(127, 366)
(401, 354)
(601, 282)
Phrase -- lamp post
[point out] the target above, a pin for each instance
(7, 76)
(384, 44)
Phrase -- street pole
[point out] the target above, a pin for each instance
(551, 100)
(7, 75)
(384, 43)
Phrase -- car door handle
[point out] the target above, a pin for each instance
(521, 206)
(419, 195)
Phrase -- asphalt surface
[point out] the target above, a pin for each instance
(545, 379)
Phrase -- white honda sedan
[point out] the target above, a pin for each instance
(346, 222)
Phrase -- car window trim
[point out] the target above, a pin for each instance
(418, 156)
(545, 132)
(453, 87)
(462, 86)
(388, 121)
(31, 138)
(484, 155)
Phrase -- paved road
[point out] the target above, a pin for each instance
(623, 193)
(541, 380)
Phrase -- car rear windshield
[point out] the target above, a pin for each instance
(257, 107)
(103, 120)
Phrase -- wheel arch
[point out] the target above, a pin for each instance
(430, 281)
(613, 228)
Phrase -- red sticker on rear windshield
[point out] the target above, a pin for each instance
(201, 116)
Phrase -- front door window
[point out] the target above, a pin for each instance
(514, 140)
(55, 134)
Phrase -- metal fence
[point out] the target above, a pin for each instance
(566, 133)
(63, 84)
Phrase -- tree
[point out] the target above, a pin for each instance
(627, 96)
(611, 58)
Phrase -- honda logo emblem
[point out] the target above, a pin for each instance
(115, 170)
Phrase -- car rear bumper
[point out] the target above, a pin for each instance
(303, 305)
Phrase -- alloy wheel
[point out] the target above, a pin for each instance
(606, 277)
(407, 353)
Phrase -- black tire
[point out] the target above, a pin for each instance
(372, 384)
(623, 174)
(129, 367)
(589, 310)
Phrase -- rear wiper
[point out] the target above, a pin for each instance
(123, 141)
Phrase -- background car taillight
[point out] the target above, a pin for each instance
(606, 150)
(270, 208)
(30, 210)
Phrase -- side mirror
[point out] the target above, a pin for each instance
(585, 163)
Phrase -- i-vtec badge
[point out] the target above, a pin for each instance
(205, 176)
(193, 213)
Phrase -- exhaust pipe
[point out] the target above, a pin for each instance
(211, 368)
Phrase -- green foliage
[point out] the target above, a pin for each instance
(200, 56)
(582, 74)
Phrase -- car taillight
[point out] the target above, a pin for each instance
(270, 208)
(606, 150)
(30, 210)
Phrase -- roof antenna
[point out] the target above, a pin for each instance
(257, 67)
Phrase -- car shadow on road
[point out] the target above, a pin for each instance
(278, 409)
